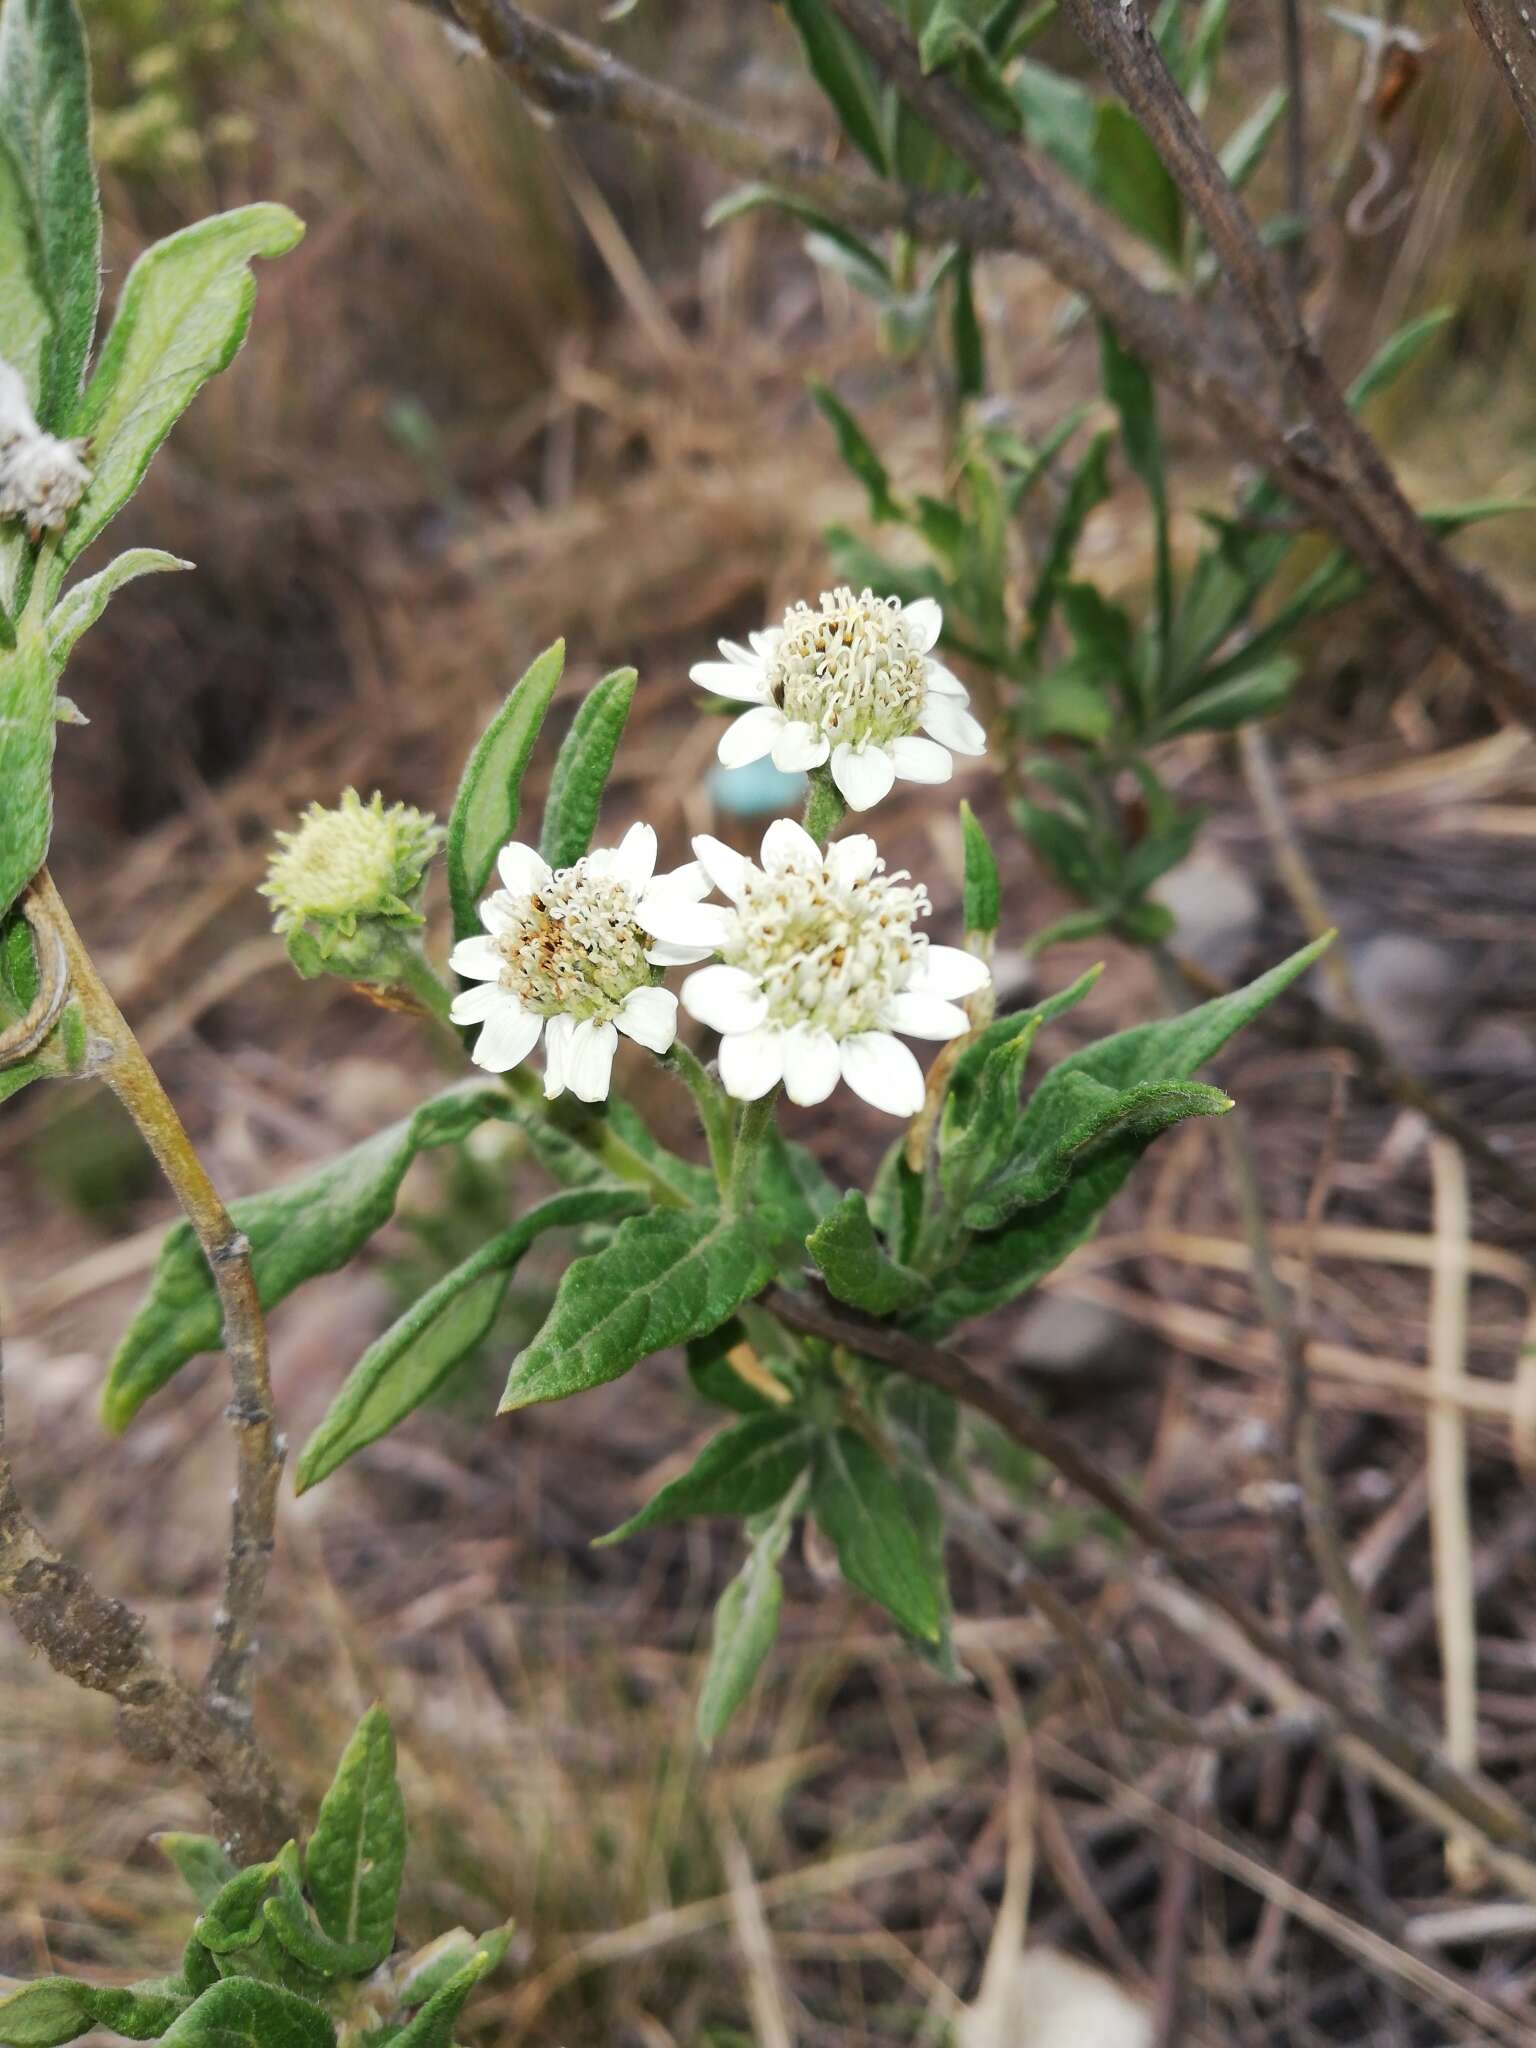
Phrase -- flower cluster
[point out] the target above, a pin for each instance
(817, 958)
(42, 479)
(347, 881)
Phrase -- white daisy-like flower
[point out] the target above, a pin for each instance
(852, 682)
(820, 964)
(568, 956)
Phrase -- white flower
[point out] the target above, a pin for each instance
(567, 955)
(42, 479)
(820, 962)
(854, 683)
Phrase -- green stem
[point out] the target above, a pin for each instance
(419, 977)
(824, 806)
(713, 1107)
(598, 1138)
(756, 1122)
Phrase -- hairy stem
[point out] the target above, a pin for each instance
(824, 806)
(713, 1107)
(756, 1122)
(259, 1448)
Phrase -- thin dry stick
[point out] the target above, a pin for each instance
(1449, 1516)
(1291, 863)
(99, 1644)
(1349, 490)
(1294, 53)
(1399, 1743)
(258, 1446)
(1508, 27)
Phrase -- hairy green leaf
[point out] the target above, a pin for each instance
(311, 1226)
(965, 337)
(52, 2010)
(45, 119)
(748, 198)
(288, 1915)
(858, 452)
(745, 1470)
(791, 1195)
(355, 1856)
(1130, 177)
(582, 768)
(182, 316)
(663, 1278)
(746, 1621)
(199, 1861)
(843, 72)
(485, 811)
(858, 1501)
(232, 1918)
(415, 1355)
(26, 763)
(432, 2026)
(82, 606)
(441, 1961)
(239, 2012)
(983, 890)
(996, 1265)
(1060, 117)
(1245, 692)
(857, 1267)
(1089, 487)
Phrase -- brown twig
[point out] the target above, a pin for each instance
(258, 1446)
(1403, 1748)
(99, 1643)
(1508, 27)
(1294, 55)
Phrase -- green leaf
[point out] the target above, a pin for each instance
(182, 316)
(26, 764)
(664, 1278)
(1060, 117)
(582, 768)
(1000, 1264)
(53, 2010)
(1068, 849)
(1129, 388)
(232, 1918)
(965, 336)
(790, 1196)
(432, 2026)
(963, 1101)
(983, 893)
(1071, 703)
(198, 1968)
(746, 1621)
(857, 1267)
(1088, 488)
(1103, 635)
(1244, 693)
(843, 72)
(45, 119)
(693, 1185)
(434, 1967)
(1130, 178)
(745, 1470)
(311, 1226)
(355, 1856)
(1397, 352)
(289, 1918)
(715, 1379)
(857, 451)
(485, 811)
(26, 334)
(199, 1861)
(82, 606)
(415, 1355)
(979, 1122)
(1243, 150)
(239, 2012)
(858, 1502)
(749, 198)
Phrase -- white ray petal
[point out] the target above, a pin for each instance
(727, 870)
(862, 774)
(788, 845)
(589, 1066)
(947, 971)
(680, 923)
(811, 1065)
(749, 737)
(924, 621)
(924, 1016)
(649, 1017)
(884, 1071)
(799, 746)
(635, 858)
(744, 685)
(752, 1062)
(474, 1005)
(919, 760)
(943, 682)
(476, 959)
(557, 1054)
(725, 998)
(522, 868)
(853, 859)
(508, 1037)
(953, 726)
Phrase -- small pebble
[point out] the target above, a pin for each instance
(1216, 910)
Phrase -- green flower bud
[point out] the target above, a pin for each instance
(345, 886)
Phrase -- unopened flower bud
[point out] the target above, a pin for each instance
(42, 479)
(346, 884)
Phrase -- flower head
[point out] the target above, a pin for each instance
(42, 479)
(345, 878)
(568, 955)
(851, 681)
(820, 963)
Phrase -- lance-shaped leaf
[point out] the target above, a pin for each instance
(311, 1226)
(983, 890)
(82, 606)
(840, 67)
(53, 2010)
(664, 1277)
(26, 763)
(288, 1916)
(857, 1267)
(743, 1471)
(232, 1918)
(746, 1621)
(485, 811)
(431, 1968)
(858, 1501)
(416, 1353)
(858, 452)
(582, 768)
(45, 122)
(432, 2025)
(182, 316)
(239, 2012)
(200, 1861)
(999, 1264)
(357, 1852)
